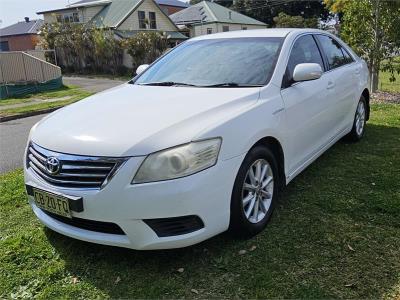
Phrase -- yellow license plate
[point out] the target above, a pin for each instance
(53, 203)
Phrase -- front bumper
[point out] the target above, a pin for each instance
(206, 194)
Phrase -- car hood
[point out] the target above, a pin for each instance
(133, 120)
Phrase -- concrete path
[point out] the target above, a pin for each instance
(92, 84)
(33, 101)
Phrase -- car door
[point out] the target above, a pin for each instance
(341, 80)
(307, 105)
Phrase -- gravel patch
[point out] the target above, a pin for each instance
(385, 97)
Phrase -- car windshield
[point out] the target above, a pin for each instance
(237, 62)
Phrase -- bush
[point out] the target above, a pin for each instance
(81, 47)
(145, 47)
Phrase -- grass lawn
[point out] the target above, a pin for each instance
(384, 83)
(335, 234)
(74, 94)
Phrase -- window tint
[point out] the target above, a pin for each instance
(333, 51)
(347, 56)
(304, 50)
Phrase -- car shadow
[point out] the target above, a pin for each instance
(101, 265)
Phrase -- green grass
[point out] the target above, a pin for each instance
(72, 92)
(384, 81)
(335, 234)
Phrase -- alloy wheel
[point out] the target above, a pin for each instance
(360, 118)
(257, 191)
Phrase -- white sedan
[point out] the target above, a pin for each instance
(199, 142)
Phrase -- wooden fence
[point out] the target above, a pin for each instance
(19, 66)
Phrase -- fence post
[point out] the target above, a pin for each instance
(23, 62)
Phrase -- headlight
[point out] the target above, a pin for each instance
(179, 161)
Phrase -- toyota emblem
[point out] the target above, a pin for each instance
(53, 165)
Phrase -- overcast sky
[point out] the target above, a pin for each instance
(12, 11)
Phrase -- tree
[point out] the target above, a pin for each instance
(371, 28)
(266, 10)
(285, 21)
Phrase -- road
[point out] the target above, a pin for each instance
(13, 137)
(92, 84)
(14, 134)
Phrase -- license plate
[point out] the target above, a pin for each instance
(53, 203)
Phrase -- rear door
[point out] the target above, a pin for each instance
(307, 105)
(342, 85)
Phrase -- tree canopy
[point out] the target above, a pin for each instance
(372, 29)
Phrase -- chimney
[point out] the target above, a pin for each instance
(230, 15)
(26, 19)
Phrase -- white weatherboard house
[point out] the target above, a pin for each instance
(125, 17)
(209, 17)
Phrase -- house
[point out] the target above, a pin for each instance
(20, 36)
(125, 17)
(172, 6)
(209, 17)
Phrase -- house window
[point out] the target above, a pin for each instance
(4, 46)
(225, 28)
(142, 19)
(68, 18)
(153, 22)
(209, 30)
(244, 28)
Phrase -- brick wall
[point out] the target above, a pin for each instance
(21, 42)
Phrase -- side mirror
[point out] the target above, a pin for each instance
(307, 71)
(141, 68)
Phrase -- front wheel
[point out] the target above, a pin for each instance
(360, 119)
(254, 193)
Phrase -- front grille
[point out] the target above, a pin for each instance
(97, 226)
(175, 226)
(75, 171)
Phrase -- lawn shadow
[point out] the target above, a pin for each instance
(319, 261)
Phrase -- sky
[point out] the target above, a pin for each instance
(12, 11)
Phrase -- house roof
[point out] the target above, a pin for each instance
(175, 3)
(115, 13)
(209, 12)
(20, 28)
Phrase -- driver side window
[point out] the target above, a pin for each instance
(305, 50)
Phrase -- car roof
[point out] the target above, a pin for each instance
(269, 32)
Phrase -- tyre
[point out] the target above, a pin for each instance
(254, 193)
(360, 119)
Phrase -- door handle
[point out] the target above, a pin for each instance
(331, 85)
(358, 71)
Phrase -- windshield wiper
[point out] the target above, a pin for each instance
(232, 84)
(167, 83)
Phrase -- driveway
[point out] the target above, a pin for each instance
(14, 134)
(92, 84)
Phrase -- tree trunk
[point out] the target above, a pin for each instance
(374, 79)
(376, 63)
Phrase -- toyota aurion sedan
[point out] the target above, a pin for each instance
(199, 142)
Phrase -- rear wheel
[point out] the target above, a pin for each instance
(254, 193)
(360, 119)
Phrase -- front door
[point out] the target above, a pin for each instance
(307, 105)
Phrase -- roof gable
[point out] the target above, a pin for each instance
(206, 12)
(113, 14)
(30, 27)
